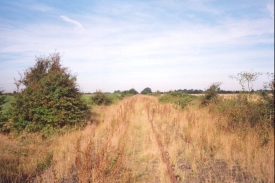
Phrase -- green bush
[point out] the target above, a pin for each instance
(3, 117)
(115, 97)
(180, 99)
(246, 111)
(100, 98)
(130, 92)
(50, 98)
(211, 94)
(249, 109)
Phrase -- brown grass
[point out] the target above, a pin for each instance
(23, 157)
(253, 97)
(120, 146)
(202, 151)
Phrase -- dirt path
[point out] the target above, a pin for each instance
(144, 156)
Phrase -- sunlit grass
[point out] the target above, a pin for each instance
(119, 146)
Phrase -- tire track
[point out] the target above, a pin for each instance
(164, 154)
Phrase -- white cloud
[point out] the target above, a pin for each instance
(76, 23)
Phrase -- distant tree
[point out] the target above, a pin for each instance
(246, 78)
(129, 92)
(146, 91)
(133, 91)
(50, 98)
(117, 92)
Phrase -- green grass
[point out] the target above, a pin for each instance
(87, 98)
(114, 98)
(7, 105)
(177, 98)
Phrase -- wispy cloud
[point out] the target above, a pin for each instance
(76, 23)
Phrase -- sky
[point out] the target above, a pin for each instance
(118, 45)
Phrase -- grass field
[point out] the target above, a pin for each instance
(139, 139)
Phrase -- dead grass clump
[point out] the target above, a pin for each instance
(100, 161)
(23, 157)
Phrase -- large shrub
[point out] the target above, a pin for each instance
(50, 97)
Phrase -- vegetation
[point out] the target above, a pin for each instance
(146, 91)
(246, 109)
(198, 91)
(142, 138)
(3, 117)
(126, 147)
(178, 99)
(211, 94)
(117, 92)
(24, 157)
(246, 78)
(100, 98)
(190, 91)
(50, 98)
(130, 92)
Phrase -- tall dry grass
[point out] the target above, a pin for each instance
(23, 157)
(201, 150)
(120, 146)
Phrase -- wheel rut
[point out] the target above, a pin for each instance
(164, 154)
(147, 151)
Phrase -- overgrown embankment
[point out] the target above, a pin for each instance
(141, 140)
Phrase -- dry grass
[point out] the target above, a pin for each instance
(253, 97)
(120, 146)
(23, 157)
(202, 151)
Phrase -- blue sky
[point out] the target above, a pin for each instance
(161, 44)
